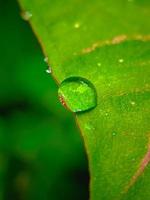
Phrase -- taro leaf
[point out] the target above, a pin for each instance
(108, 43)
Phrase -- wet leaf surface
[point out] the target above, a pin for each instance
(108, 44)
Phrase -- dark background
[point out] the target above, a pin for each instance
(41, 152)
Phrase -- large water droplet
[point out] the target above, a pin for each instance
(77, 94)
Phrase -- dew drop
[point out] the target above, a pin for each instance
(99, 64)
(46, 59)
(48, 70)
(77, 25)
(132, 103)
(26, 15)
(114, 133)
(106, 114)
(77, 94)
(120, 60)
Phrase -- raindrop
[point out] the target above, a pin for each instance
(120, 60)
(46, 59)
(106, 114)
(77, 25)
(114, 133)
(99, 64)
(48, 70)
(132, 103)
(26, 15)
(77, 94)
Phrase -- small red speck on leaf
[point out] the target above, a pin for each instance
(63, 101)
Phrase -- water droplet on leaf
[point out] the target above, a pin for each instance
(48, 70)
(114, 133)
(46, 59)
(106, 114)
(120, 60)
(26, 15)
(99, 64)
(77, 94)
(132, 103)
(77, 25)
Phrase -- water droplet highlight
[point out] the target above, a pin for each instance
(26, 15)
(77, 94)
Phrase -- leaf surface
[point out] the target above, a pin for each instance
(107, 43)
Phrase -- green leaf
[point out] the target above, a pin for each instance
(108, 43)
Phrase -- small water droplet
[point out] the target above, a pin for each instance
(26, 15)
(121, 60)
(48, 70)
(106, 114)
(77, 94)
(99, 64)
(114, 133)
(133, 159)
(46, 59)
(77, 25)
(132, 103)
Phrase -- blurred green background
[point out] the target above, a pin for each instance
(42, 155)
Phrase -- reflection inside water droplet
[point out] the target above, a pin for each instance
(26, 15)
(77, 94)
